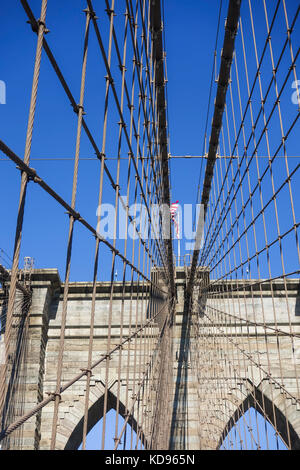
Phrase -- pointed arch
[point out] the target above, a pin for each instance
(95, 414)
(281, 423)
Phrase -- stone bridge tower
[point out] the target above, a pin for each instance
(195, 424)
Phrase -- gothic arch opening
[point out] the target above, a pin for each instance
(95, 415)
(259, 424)
(129, 439)
(252, 432)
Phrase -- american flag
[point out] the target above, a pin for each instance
(173, 210)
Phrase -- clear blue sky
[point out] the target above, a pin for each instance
(190, 28)
(189, 69)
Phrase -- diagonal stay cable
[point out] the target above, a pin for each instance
(12, 427)
(32, 174)
(34, 25)
(233, 16)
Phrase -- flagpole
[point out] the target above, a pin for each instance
(173, 210)
(178, 239)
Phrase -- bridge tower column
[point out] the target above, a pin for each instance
(44, 286)
(185, 420)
